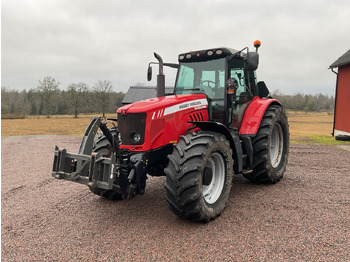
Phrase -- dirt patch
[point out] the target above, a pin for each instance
(304, 217)
(344, 147)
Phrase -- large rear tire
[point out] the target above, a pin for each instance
(199, 176)
(270, 147)
(104, 148)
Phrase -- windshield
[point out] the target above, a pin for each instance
(202, 77)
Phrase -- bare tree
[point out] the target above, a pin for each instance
(34, 98)
(102, 90)
(77, 96)
(48, 89)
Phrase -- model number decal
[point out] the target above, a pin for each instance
(197, 104)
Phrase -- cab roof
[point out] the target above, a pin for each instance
(208, 54)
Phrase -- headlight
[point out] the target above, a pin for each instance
(135, 138)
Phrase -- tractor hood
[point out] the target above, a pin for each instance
(170, 104)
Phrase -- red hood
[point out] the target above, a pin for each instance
(159, 103)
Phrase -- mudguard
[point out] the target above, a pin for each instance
(254, 114)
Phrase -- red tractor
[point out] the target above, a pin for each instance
(219, 122)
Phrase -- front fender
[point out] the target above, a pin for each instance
(254, 114)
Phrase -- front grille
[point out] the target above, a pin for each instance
(130, 124)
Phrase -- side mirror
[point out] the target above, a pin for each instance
(232, 85)
(252, 61)
(149, 73)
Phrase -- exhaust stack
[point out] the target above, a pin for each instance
(160, 77)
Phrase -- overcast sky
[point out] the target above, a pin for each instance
(87, 41)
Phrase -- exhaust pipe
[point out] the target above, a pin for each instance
(160, 77)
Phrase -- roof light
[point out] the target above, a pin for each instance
(209, 53)
(218, 52)
(188, 56)
(181, 57)
(257, 43)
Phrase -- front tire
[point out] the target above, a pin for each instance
(270, 147)
(199, 176)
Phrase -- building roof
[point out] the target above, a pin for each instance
(343, 60)
(139, 93)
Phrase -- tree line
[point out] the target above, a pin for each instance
(47, 99)
(307, 103)
(78, 98)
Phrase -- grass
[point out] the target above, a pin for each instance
(55, 125)
(310, 128)
(327, 140)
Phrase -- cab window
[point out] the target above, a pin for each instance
(206, 77)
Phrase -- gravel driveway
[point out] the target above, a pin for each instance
(305, 217)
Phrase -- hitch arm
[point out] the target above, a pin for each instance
(89, 135)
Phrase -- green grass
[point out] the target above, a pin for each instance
(327, 140)
(317, 140)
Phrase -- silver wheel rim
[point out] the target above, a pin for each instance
(276, 145)
(213, 189)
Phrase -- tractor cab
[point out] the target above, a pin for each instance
(226, 76)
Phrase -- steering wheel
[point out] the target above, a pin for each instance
(209, 82)
(207, 90)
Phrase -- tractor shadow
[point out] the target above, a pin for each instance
(152, 206)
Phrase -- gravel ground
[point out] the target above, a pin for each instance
(305, 217)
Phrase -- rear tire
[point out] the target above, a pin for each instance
(199, 176)
(270, 147)
(104, 148)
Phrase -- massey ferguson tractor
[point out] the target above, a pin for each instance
(219, 122)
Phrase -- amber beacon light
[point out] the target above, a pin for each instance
(257, 44)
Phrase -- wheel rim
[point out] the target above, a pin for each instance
(213, 178)
(276, 145)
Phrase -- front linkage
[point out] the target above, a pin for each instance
(119, 171)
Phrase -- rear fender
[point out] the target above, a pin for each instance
(232, 137)
(254, 114)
